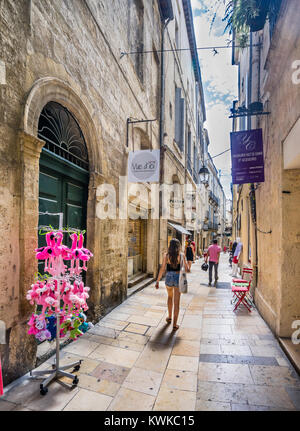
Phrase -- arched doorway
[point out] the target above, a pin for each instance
(64, 174)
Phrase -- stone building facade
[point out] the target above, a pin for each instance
(266, 215)
(183, 129)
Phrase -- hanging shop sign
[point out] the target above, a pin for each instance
(143, 166)
(247, 157)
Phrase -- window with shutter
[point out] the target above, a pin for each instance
(177, 115)
(181, 143)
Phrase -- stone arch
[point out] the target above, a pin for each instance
(44, 91)
(53, 89)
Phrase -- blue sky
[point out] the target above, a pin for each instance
(219, 79)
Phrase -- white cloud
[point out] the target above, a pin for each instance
(219, 78)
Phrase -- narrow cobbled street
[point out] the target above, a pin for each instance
(132, 360)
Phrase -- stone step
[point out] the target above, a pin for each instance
(136, 279)
(139, 286)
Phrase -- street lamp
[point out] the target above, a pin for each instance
(204, 174)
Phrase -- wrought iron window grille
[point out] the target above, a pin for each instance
(62, 134)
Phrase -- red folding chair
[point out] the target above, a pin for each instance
(240, 288)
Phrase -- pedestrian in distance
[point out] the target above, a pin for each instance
(213, 255)
(189, 254)
(172, 263)
(236, 256)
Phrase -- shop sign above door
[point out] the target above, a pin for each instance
(247, 157)
(143, 166)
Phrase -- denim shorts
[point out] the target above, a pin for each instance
(172, 279)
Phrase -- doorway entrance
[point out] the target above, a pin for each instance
(64, 175)
(137, 247)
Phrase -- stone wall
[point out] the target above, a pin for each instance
(279, 253)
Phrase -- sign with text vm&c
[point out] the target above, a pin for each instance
(247, 157)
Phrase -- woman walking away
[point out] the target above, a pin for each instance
(189, 254)
(172, 263)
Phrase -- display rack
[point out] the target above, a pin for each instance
(58, 276)
(58, 371)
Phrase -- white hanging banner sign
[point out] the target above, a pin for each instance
(143, 166)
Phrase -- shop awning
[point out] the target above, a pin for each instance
(180, 228)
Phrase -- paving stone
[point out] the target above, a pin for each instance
(81, 347)
(193, 322)
(229, 349)
(114, 324)
(266, 351)
(111, 372)
(105, 332)
(253, 360)
(192, 334)
(213, 358)
(175, 400)
(116, 315)
(209, 341)
(186, 348)
(163, 334)
(183, 363)
(86, 400)
(283, 362)
(136, 328)
(274, 376)
(129, 400)
(182, 380)
(115, 355)
(133, 338)
(141, 380)
(56, 399)
(210, 349)
(294, 395)
(251, 408)
(154, 357)
(6, 406)
(204, 406)
(98, 385)
(263, 396)
(221, 392)
(224, 372)
(23, 390)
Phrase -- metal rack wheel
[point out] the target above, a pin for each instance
(43, 391)
(75, 381)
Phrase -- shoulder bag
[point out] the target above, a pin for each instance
(183, 284)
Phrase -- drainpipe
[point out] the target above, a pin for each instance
(161, 131)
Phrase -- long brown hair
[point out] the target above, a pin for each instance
(173, 252)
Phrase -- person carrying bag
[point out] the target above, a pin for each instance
(175, 265)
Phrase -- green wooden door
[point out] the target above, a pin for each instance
(63, 192)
